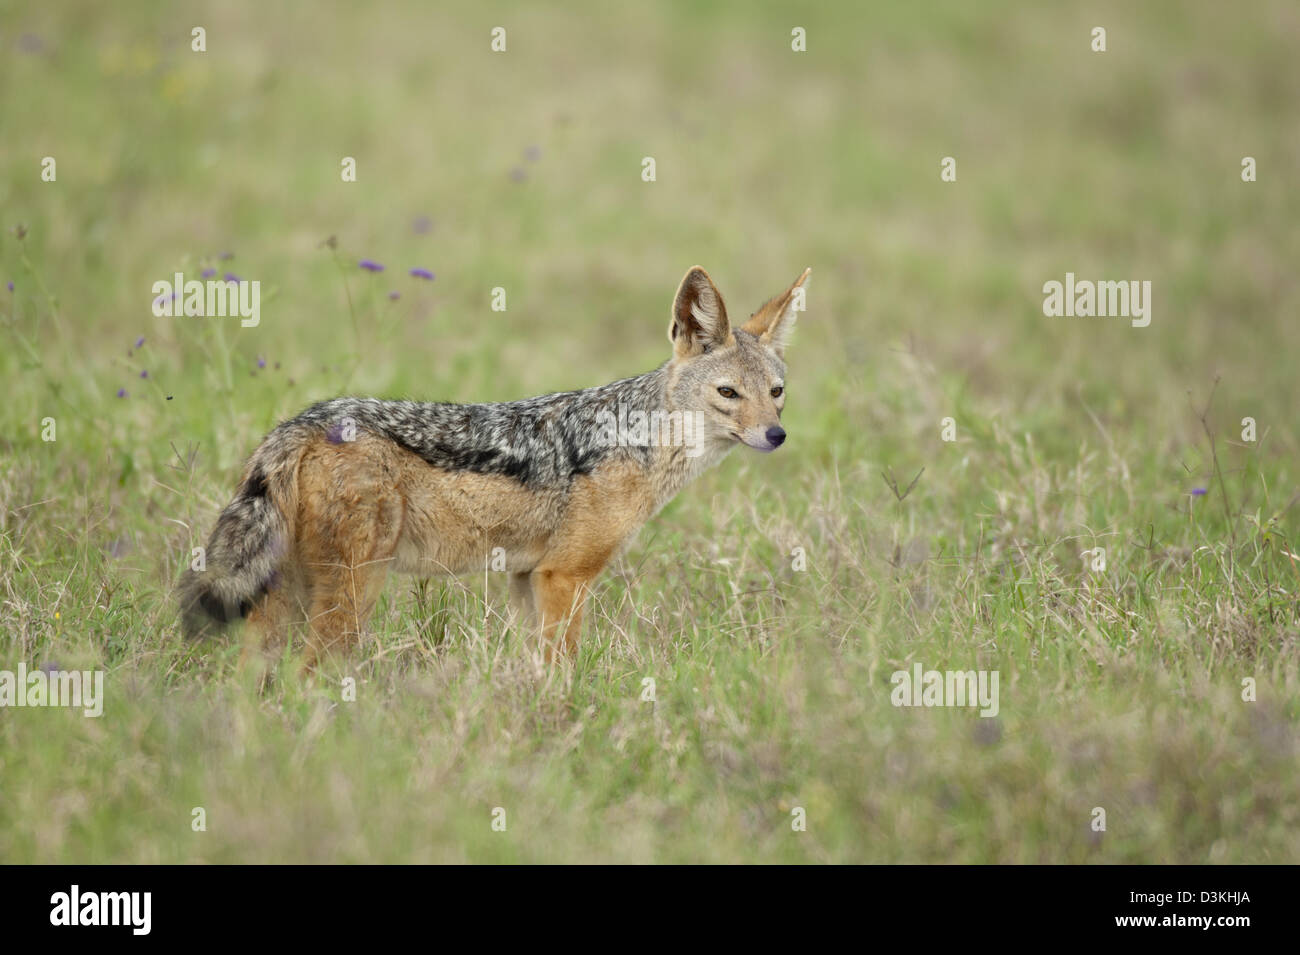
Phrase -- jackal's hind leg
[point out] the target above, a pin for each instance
(343, 598)
(273, 619)
(349, 522)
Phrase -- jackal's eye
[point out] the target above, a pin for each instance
(728, 392)
(778, 391)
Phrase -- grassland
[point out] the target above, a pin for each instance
(1120, 689)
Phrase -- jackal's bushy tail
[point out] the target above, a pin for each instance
(252, 535)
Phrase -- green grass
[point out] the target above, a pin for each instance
(1120, 689)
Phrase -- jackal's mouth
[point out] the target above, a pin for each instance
(765, 447)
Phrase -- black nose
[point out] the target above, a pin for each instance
(775, 436)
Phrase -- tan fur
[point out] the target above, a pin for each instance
(368, 507)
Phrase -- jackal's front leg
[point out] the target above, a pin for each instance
(560, 597)
(522, 605)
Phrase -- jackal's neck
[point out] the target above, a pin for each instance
(676, 467)
(642, 391)
(668, 440)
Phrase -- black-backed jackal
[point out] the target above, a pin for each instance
(352, 488)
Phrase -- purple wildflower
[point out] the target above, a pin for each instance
(121, 392)
(261, 362)
(49, 667)
(422, 274)
(370, 265)
(144, 372)
(11, 286)
(1198, 491)
(209, 272)
(232, 277)
(139, 341)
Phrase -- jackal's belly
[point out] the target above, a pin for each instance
(460, 522)
(370, 500)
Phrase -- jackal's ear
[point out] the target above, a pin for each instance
(774, 321)
(699, 321)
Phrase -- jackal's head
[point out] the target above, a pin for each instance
(732, 380)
